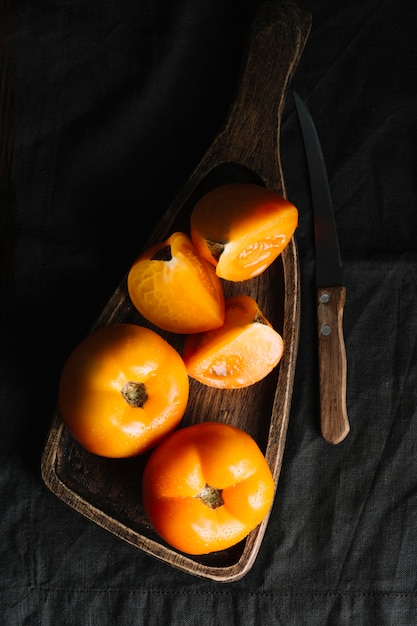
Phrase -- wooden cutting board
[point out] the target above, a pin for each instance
(108, 491)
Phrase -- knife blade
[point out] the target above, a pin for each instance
(330, 288)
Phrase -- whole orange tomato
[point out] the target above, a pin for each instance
(206, 486)
(122, 390)
(175, 289)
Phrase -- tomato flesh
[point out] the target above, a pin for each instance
(238, 354)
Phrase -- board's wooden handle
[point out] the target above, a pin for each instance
(332, 364)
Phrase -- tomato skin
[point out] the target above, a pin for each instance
(209, 453)
(94, 379)
(180, 293)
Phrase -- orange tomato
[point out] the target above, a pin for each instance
(122, 390)
(175, 289)
(239, 353)
(206, 486)
(241, 228)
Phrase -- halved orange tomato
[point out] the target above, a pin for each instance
(241, 228)
(122, 389)
(238, 354)
(175, 289)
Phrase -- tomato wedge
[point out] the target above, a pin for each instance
(175, 289)
(241, 228)
(238, 354)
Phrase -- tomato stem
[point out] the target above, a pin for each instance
(211, 497)
(135, 394)
(215, 248)
(259, 319)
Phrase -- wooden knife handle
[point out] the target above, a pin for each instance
(332, 364)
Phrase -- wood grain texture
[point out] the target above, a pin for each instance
(108, 491)
(332, 364)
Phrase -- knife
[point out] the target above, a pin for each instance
(330, 289)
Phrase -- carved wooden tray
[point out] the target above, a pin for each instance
(108, 491)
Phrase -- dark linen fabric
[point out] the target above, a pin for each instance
(105, 109)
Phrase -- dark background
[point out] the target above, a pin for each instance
(105, 109)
